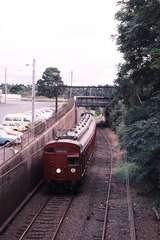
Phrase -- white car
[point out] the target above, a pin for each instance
(38, 118)
(37, 114)
(45, 113)
(16, 119)
(15, 126)
(10, 131)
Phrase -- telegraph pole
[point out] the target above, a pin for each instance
(5, 83)
(56, 99)
(71, 84)
(33, 92)
(90, 91)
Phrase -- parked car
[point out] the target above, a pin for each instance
(10, 131)
(6, 138)
(38, 118)
(15, 126)
(16, 119)
(45, 113)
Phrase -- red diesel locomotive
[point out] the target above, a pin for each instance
(66, 158)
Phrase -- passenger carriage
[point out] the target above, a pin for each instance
(67, 157)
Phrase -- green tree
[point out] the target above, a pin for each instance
(17, 88)
(138, 40)
(138, 83)
(51, 84)
(22, 89)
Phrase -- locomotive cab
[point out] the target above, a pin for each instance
(62, 162)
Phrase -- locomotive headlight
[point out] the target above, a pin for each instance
(73, 170)
(58, 170)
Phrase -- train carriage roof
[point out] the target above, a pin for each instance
(81, 134)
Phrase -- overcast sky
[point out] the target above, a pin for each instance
(73, 35)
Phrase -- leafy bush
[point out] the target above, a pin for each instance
(140, 137)
(120, 171)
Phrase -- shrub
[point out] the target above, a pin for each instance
(120, 171)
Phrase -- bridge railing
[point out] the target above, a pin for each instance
(10, 149)
(105, 91)
(95, 101)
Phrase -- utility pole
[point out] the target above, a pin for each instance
(56, 99)
(33, 65)
(71, 84)
(90, 91)
(5, 83)
(33, 93)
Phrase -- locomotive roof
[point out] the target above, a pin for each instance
(77, 135)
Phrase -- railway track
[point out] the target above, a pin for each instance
(109, 185)
(108, 205)
(129, 202)
(46, 222)
(45, 219)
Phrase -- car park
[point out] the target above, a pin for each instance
(23, 121)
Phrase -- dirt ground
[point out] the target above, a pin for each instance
(146, 222)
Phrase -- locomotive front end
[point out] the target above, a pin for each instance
(62, 162)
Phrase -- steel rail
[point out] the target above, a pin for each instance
(34, 219)
(109, 188)
(54, 235)
(129, 202)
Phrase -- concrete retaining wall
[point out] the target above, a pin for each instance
(21, 175)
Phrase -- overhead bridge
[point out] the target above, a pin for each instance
(92, 101)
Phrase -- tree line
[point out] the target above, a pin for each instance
(135, 111)
(51, 85)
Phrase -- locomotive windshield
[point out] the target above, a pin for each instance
(55, 150)
(73, 160)
(50, 149)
